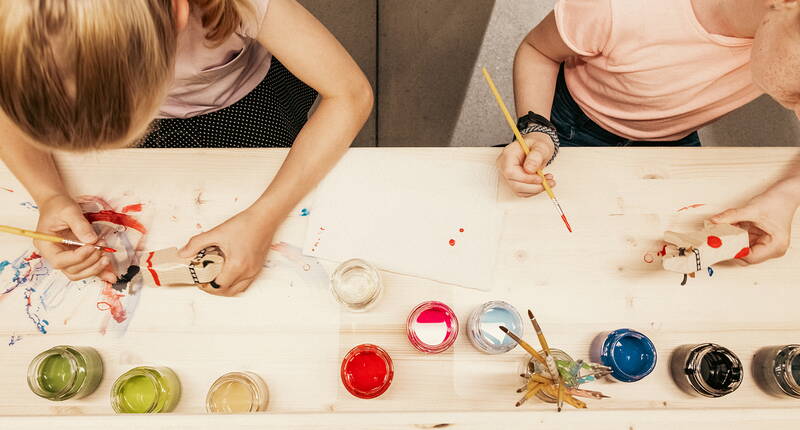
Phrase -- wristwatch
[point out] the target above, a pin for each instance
(535, 123)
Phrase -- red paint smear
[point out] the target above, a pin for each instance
(150, 269)
(7, 189)
(132, 208)
(452, 242)
(116, 218)
(714, 241)
(33, 256)
(569, 227)
(366, 374)
(663, 251)
(743, 253)
(107, 249)
(691, 207)
(648, 258)
(113, 303)
(461, 230)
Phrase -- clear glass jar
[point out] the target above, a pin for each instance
(483, 327)
(65, 372)
(356, 284)
(706, 369)
(238, 392)
(777, 370)
(533, 366)
(146, 390)
(432, 327)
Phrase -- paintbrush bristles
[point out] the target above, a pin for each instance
(524, 345)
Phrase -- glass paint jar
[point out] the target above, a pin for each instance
(237, 392)
(432, 327)
(356, 284)
(367, 371)
(777, 370)
(483, 327)
(630, 354)
(65, 372)
(146, 390)
(533, 366)
(706, 369)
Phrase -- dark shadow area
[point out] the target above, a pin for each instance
(763, 122)
(426, 55)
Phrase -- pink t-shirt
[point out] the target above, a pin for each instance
(209, 79)
(648, 70)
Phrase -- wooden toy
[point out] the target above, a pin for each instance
(166, 268)
(689, 253)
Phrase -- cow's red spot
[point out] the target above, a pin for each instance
(743, 253)
(714, 241)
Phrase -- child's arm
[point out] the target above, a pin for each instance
(58, 213)
(314, 55)
(535, 72)
(768, 218)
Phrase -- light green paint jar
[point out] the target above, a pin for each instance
(65, 372)
(146, 390)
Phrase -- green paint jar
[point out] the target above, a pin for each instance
(146, 390)
(65, 372)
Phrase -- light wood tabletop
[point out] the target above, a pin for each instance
(288, 329)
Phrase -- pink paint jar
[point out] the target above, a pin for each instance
(432, 327)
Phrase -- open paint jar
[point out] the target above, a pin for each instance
(483, 327)
(432, 327)
(630, 354)
(777, 370)
(65, 372)
(236, 393)
(706, 369)
(146, 390)
(533, 366)
(367, 371)
(356, 284)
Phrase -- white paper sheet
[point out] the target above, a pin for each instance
(401, 214)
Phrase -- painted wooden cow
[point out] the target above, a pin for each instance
(688, 253)
(166, 268)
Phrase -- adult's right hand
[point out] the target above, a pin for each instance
(61, 216)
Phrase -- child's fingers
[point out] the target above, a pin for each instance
(510, 165)
(61, 258)
(107, 275)
(77, 222)
(90, 260)
(88, 272)
(519, 175)
(522, 189)
(733, 216)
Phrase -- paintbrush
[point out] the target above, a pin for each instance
(524, 345)
(586, 393)
(524, 145)
(531, 392)
(551, 364)
(50, 238)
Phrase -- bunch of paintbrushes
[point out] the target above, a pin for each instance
(558, 379)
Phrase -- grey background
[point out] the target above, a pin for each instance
(423, 58)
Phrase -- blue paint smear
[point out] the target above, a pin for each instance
(29, 205)
(304, 212)
(710, 271)
(3, 265)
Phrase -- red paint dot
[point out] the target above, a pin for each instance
(743, 253)
(461, 230)
(663, 251)
(452, 242)
(714, 241)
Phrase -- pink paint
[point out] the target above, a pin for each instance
(432, 327)
(132, 208)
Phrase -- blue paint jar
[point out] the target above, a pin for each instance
(483, 327)
(630, 354)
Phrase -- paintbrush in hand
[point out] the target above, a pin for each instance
(50, 238)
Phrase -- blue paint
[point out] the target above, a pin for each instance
(483, 327)
(3, 265)
(630, 354)
(29, 205)
(304, 212)
(710, 271)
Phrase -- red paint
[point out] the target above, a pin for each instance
(116, 218)
(461, 230)
(690, 207)
(132, 208)
(714, 241)
(648, 258)
(150, 269)
(113, 304)
(452, 242)
(367, 371)
(107, 249)
(7, 189)
(33, 256)
(743, 253)
(663, 251)
(564, 217)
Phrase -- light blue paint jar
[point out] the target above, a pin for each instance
(630, 354)
(483, 327)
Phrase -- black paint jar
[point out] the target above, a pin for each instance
(706, 369)
(777, 370)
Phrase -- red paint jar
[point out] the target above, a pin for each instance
(367, 371)
(432, 327)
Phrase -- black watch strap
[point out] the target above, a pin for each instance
(535, 123)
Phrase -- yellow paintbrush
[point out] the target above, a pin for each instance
(50, 238)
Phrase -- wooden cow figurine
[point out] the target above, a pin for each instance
(166, 268)
(688, 253)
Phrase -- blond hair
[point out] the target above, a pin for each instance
(86, 74)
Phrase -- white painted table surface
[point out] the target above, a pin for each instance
(292, 333)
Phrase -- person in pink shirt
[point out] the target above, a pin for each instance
(650, 73)
(93, 74)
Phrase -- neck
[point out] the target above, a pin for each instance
(739, 18)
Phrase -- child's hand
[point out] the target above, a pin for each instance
(244, 240)
(520, 171)
(61, 216)
(768, 220)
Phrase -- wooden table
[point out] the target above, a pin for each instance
(289, 330)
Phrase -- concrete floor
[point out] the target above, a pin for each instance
(424, 59)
